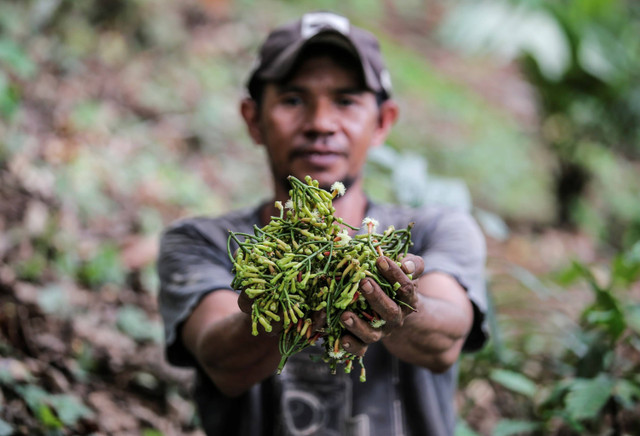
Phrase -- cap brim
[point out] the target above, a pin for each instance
(283, 64)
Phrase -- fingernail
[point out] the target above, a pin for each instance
(347, 321)
(366, 287)
(409, 267)
(383, 264)
(346, 345)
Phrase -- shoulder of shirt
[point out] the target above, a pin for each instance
(229, 220)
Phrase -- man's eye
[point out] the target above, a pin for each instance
(292, 100)
(345, 101)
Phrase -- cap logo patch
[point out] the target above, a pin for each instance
(317, 21)
(385, 80)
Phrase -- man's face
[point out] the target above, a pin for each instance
(320, 123)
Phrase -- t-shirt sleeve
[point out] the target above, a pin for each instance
(192, 262)
(453, 243)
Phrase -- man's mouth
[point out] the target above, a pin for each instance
(318, 158)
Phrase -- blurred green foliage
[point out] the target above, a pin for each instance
(68, 409)
(102, 267)
(464, 136)
(577, 375)
(134, 322)
(582, 59)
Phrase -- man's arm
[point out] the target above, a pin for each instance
(432, 336)
(218, 334)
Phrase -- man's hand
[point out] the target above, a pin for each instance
(393, 314)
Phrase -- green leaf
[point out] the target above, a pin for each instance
(32, 269)
(600, 316)
(633, 318)
(9, 97)
(586, 397)
(46, 416)
(12, 55)
(508, 427)
(37, 399)
(568, 275)
(5, 428)
(69, 409)
(627, 392)
(606, 313)
(514, 381)
(134, 322)
(104, 267)
(53, 300)
(633, 254)
(151, 432)
(625, 270)
(32, 395)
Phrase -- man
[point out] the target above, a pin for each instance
(319, 100)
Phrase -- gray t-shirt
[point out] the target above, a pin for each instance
(397, 398)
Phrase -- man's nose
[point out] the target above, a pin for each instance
(322, 118)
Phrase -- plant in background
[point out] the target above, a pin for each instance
(604, 370)
(591, 384)
(596, 97)
(583, 60)
(54, 413)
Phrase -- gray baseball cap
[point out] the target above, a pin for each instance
(284, 44)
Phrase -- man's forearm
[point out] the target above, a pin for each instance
(433, 336)
(218, 334)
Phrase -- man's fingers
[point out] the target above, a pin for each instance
(361, 331)
(412, 264)
(353, 345)
(381, 303)
(397, 277)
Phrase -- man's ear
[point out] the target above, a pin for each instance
(388, 116)
(250, 113)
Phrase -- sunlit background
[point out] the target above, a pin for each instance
(118, 117)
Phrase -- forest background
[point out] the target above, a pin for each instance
(118, 117)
